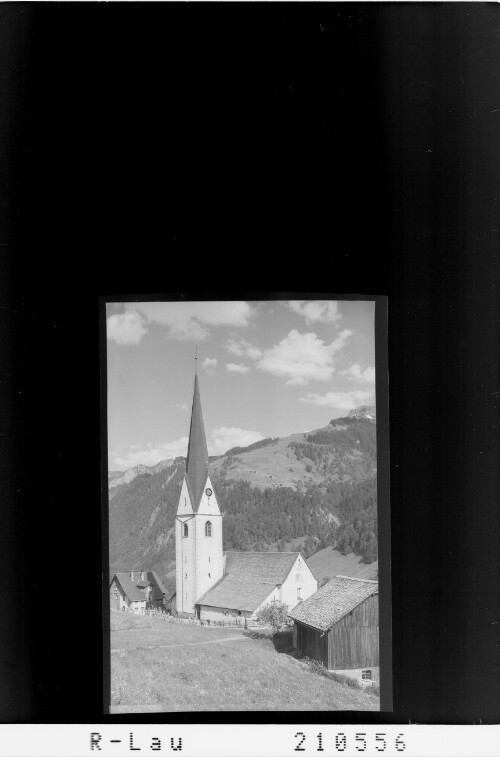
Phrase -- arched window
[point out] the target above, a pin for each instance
(208, 528)
(184, 529)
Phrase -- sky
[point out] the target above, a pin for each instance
(265, 369)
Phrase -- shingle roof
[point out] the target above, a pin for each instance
(334, 600)
(197, 456)
(133, 589)
(249, 578)
(129, 588)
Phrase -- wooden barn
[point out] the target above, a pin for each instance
(339, 625)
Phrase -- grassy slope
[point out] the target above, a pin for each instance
(245, 673)
(329, 562)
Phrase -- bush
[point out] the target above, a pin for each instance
(274, 614)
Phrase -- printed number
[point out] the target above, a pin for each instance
(320, 743)
(380, 738)
(299, 747)
(400, 745)
(340, 742)
(359, 737)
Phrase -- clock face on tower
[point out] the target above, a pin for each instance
(208, 492)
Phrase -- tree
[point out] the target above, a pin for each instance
(324, 581)
(274, 614)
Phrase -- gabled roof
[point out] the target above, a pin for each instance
(260, 567)
(129, 588)
(249, 578)
(333, 601)
(197, 456)
(134, 590)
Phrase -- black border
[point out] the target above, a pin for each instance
(383, 506)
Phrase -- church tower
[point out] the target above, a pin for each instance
(198, 524)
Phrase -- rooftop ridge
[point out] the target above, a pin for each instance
(355, 578)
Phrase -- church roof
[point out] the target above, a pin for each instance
(197, 456)
(249, 578)
(333, 601)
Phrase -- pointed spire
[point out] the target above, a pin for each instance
(197, 457)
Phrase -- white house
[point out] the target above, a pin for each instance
(135, 590)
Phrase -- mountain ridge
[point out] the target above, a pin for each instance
(319, 486)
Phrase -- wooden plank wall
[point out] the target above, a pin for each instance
(353, 641)
(312, 643)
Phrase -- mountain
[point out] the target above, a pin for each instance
(364, 411)
(318, 487)
(117, 478)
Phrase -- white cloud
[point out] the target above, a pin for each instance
(209, 364)
(301, 358)
(126, 328)
(242, 348)
(237, 368)
(147, 454)
(354, 371)
(316, 311)
(190, 320)
(223, 438)
(341, 400)
(181, 405)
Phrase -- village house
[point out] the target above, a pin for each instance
(212, 585)
(339, 626)
(135, 591)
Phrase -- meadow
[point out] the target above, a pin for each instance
(159, 666)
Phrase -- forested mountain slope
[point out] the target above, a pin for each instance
(319, 485)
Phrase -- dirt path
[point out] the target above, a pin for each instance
(188, 644)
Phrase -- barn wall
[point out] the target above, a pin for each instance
(365, 614)
(312, 643)
(353, 642)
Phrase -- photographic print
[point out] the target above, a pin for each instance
(242, 505)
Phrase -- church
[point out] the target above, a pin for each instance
(211, 584)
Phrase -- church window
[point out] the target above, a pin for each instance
(299, 591)
(184, 529)
(185, 575)
(209, 575)
(208, 528)
(366, 675)
(185, 558)
(208, 559)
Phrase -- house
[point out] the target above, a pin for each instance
(254, 579)
(213, 585)
(339, 626)
(136, 590)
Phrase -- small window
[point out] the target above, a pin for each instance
(208, 559)
(185, 529)
(209, 575)
(185, 558)
(366, 675)
(208, 528)
(185, 575)
(299, 592)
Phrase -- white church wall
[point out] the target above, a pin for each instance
(209, 566)
(224, 614)
(185, 562)
(299, 578)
